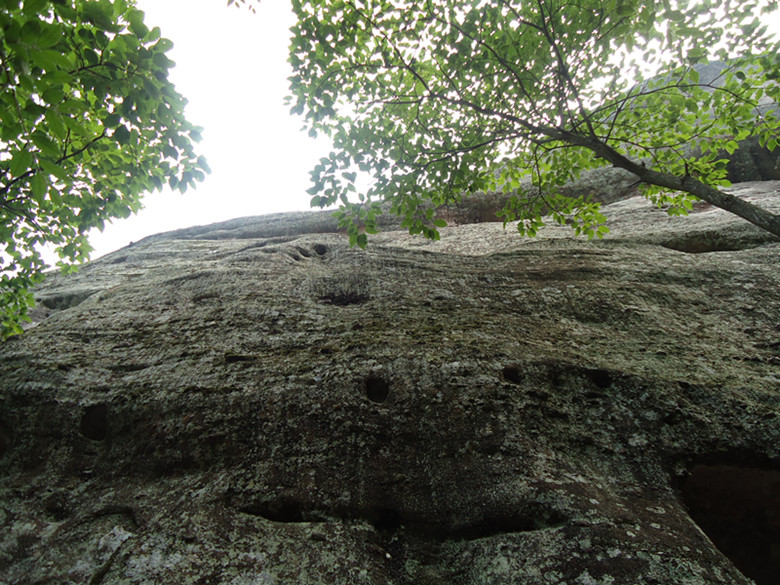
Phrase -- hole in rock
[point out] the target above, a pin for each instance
(739, 509)
(343, 298)
(387, 520)
(6, 438)
(601, 378)
(512, 374)
(283, 510)
(377, 389)
(321, 249)
(533, 517)
(94, 422)
(66, 299)
(704, 243)
(56, 506)
(234, 358)
(342, 290)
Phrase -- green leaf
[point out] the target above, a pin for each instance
(50, 61)
(20, 163)
(112, 120)
(137, 26)
(47, 146)
(58, 171)
(56, 125)
(34, 7)
(203, 163)
(49, 36)
(121, 134)
(31, 31)
(39, 187)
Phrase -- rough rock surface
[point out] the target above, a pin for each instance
(244, 404)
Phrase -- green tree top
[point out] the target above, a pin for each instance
(435, 99)
(90, 122)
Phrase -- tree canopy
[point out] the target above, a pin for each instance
(435, 99)
(90, 122)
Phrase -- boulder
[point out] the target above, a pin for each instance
(254, 402)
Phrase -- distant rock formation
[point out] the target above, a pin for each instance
(255, 403)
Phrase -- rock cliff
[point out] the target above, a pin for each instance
(255, 403)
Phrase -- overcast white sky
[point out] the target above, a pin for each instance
(232, 66)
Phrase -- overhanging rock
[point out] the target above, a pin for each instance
(273, 408)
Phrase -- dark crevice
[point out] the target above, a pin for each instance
(6, 438)
(704, 243)
(56, 506)
(94, 422)
(283, 510)
(738, 507)
(128, 512)
(512, 374)
(391, 521)
(344, 298)
(531, 518)
(601, 378)
(65, 300)
(128, 367)
(387, 520)
(234, 358)
(377, 389)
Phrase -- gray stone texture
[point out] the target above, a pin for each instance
(255, 403)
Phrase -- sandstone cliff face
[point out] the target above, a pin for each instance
(249, 404)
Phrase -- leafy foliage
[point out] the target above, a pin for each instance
(437, 99)
(89, 123)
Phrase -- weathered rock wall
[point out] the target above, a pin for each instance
(236, 404)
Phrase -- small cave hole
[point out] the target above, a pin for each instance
(739, 509)
(377, 389)
(601, 378)
(283, 510)
(94, 422)
(512, 374)
(320, 249)
(387, 520)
